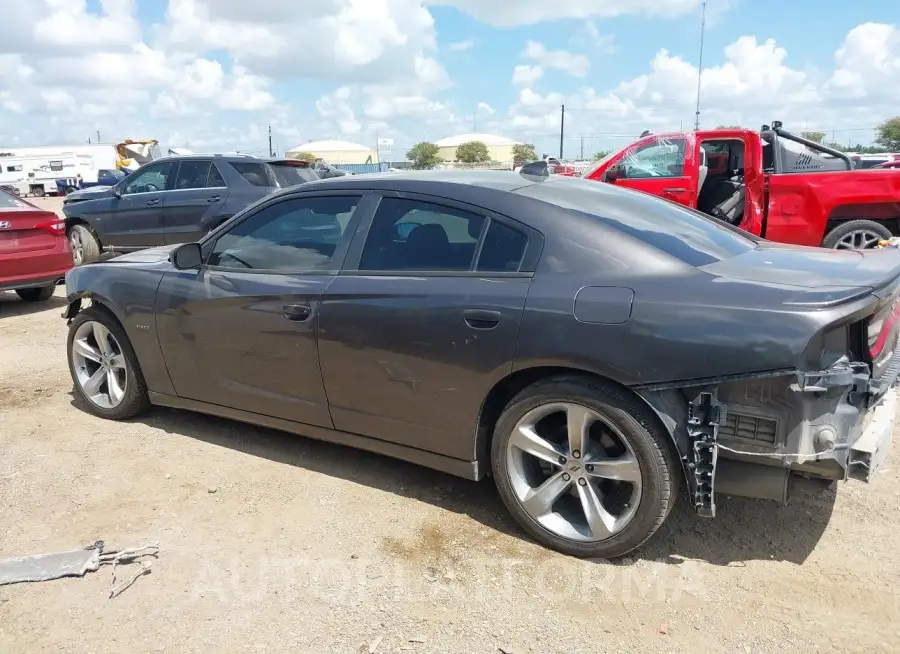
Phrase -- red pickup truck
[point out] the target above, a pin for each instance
(771, 183)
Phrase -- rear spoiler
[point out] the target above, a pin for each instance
(294, 163)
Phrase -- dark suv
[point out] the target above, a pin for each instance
(172, 200)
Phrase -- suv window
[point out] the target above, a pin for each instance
(253, 172)
(215, 177)
(287, 174)
(414, 235)
(151, 179)
(687, 235)
(297, 235)
(659, 158)
(192, 174)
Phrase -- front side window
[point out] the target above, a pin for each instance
(151, 179)
(411, 234)
(192, 174)
(658, 158)
(294, 235)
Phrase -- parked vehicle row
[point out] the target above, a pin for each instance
(172, 200)
(771, 183)
(592, 349)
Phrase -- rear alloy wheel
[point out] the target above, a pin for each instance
(104, 366)
(40, 294)
(85, 246)
(856, 235)
(38, 192)
(584, 467)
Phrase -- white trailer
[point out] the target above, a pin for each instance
(36, 175)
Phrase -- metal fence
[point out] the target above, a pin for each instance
(359, 169)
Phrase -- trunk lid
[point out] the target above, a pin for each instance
(811, 267)
(27, 228)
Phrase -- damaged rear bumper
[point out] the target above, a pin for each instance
(870, 450)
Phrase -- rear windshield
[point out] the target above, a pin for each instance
(287, 175)
(690, 236)
(9, 202)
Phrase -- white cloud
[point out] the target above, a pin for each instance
(461, 46)
(603, 43)
(529, 12)
(525, 75)
(573, 64)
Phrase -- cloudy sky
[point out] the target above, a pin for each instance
(212, 74)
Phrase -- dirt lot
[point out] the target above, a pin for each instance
(270, 542)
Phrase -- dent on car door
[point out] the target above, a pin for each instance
(415, 331)
(240, 332)
(658, 167)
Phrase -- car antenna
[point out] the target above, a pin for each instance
(535, 169)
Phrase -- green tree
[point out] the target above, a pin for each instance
(307, 156)
(818, 137)
(837, 146)
(524, 152)
(424, 155)
(473, 152)
(602, 153)
(889, 134)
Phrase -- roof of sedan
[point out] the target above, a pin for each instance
(501, 180)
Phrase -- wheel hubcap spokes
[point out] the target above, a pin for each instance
(574, 472)
(861, 239)
(99, 365)
(77, 247)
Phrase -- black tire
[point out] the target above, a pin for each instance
(38, 191)
(136, 400)
(89, 243)
(635, 420)
(835, 235)
(40, 294)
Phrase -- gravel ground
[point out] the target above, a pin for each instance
(270, 542)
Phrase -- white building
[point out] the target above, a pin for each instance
(499, 147)
(337, 152)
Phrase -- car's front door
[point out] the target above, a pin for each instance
(198, 195)
(423, 321)
(240, 332)
(135, 218)
(657, 166)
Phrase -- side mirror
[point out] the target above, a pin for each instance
(186, 256)
(613, 173)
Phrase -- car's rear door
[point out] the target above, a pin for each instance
(423, 321)
(196, 198)
(240, 332)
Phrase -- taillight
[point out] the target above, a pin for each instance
(880, 328)
(56, 226)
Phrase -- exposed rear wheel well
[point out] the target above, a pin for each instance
(506, 389)
(885, 213)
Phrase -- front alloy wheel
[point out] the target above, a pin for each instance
(99, 365)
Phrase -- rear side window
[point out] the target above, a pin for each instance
(253, 172)
(687, 235)
(215, 178)
(192, 174)
(502, 250)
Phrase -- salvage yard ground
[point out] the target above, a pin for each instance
(270, 542)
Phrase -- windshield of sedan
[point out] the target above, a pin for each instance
(690, 236)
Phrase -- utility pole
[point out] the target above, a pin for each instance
(98, 136)
(582, 149)
(562, 129)
(271, 153)
(700, 65)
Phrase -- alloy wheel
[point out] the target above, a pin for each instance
(859, 239)
(99, 364)
(573, 472)
(77, 247)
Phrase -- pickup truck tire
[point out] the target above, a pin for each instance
(38, 191)
(856, 234)
(544, 482)
(40, 294)
(85, 246)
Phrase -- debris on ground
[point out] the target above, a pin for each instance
(77, 563)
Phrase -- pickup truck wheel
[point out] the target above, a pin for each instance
(856, 235)
(40, 294)
(584, 467)
(38, 191)
(85, 246)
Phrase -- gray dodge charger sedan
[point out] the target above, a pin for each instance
(596, 351)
